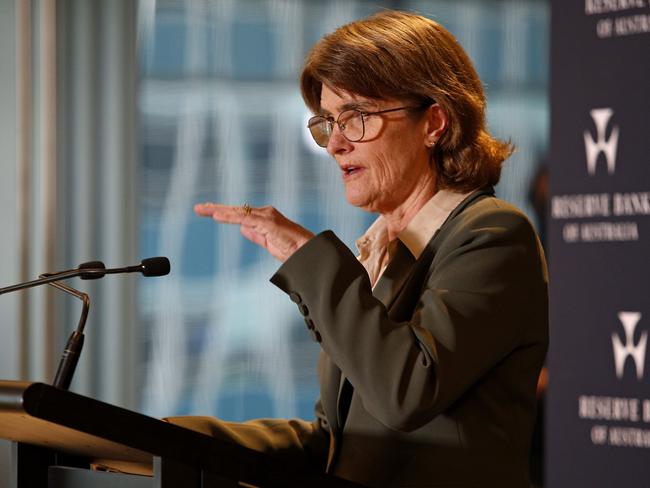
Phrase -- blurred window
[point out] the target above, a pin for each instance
(222, 120)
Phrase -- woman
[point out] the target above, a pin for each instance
(432, 339)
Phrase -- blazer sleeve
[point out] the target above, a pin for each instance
(485, 288)
(294, 440)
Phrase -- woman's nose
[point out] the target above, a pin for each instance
(337, 143)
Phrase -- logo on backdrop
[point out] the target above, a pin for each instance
(608, 147)
(628, 349)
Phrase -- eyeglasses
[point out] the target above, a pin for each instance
(351, 123)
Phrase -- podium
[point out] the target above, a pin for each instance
(59, 435)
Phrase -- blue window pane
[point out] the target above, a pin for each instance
(252, 50)
(199, 237)
(168, 54)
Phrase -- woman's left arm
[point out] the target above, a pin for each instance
(485, 293)
(485, 297)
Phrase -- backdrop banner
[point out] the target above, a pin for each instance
(598, 409)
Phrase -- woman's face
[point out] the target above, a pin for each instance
(390, 163)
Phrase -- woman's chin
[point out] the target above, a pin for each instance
(355, 199)
(362, 201)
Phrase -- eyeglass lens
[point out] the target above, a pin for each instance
(350, 123)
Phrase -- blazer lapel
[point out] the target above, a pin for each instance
(386, 290)
(395, 274)
(430, 250)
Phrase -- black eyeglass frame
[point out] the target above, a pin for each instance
(330, 121)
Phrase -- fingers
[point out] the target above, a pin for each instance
(227, 214)
(204, 209)
(253, 236)
(264, 226)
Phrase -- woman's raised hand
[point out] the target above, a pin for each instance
(264, 226)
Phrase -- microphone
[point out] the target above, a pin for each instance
(158, 266)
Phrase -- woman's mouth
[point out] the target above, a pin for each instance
(351, 170)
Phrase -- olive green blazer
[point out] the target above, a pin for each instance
(429, 379)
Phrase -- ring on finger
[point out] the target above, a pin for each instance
(246, 209)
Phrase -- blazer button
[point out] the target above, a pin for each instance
(303, 309)
(309, 323)
(315, 335)
(295, 297)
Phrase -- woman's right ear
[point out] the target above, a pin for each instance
(436, 124)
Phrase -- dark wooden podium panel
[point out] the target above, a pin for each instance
(65, 477)
(60, 429)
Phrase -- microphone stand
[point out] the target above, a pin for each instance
(158, 266)
(73, 347)
(68, 363)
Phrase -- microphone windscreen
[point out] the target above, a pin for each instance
(96, 265)
(155, 266)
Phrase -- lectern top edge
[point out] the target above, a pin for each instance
(11, 395)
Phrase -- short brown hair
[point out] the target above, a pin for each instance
(403, 56)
